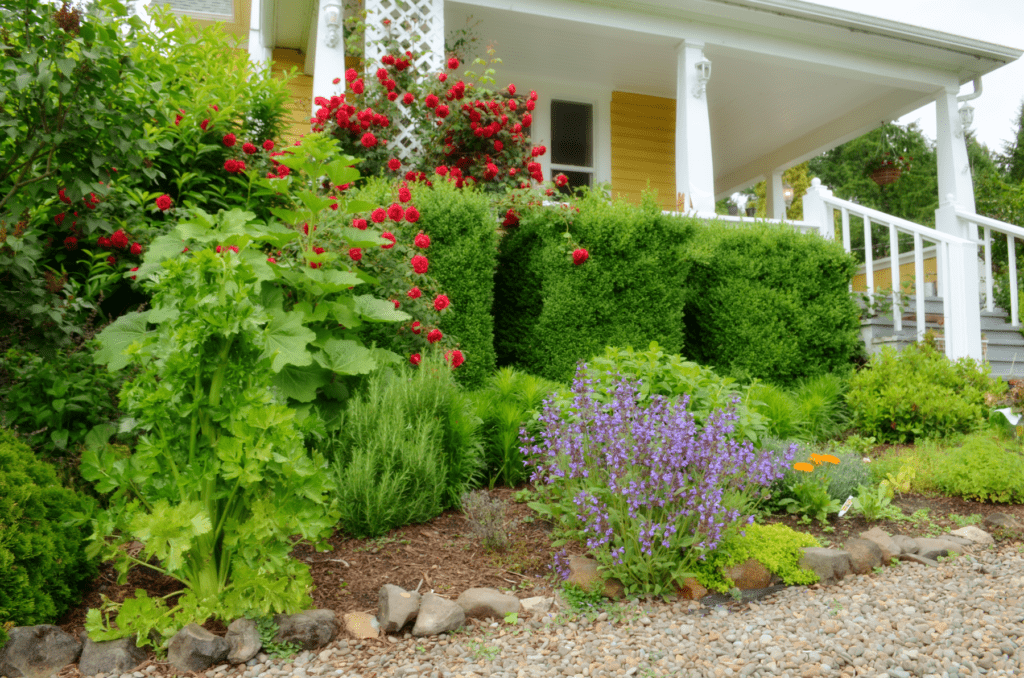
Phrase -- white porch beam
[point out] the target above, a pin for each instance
(815, 142)
(853, 64)
(330, 50)
(695, 177)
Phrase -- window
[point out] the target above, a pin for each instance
(572, 143)
(201, 9)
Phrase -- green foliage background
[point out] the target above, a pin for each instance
(43, 565)
(765, 301)
(549, 313)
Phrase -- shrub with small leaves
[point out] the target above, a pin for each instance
(487, 519)
(776, 546)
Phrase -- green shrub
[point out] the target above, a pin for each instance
(779, 409)
(504, 407)
(661, 373)
(821, 403)
(550, 313)
(981, 469)
(767, 302)
(462, 254)
(408, 449)
(43, 565)
(54, 401)
(918, 392)
(777, 547)
(838, 480)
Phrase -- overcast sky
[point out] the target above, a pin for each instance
(996, 21)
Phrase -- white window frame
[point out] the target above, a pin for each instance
(592, 169)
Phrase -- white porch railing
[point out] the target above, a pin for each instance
(1012, 233)
(957, 267)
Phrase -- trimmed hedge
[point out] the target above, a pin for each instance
(43, 566)
(765, 301)
(550, 313)
(462, 254)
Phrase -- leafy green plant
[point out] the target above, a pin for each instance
(43, 563)
(267, 628)
(663, 374)
(487, 519)
(582, 600)
(918, 392)
(779, 409)
(775, 546)
(56, 400)
(875, 503)
(407, 449)
(505, 406)
(821, 403)
(810, 498)
(964, 521)
(982, 469)
(220, 480)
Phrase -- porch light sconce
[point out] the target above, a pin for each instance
(332, 17)
(703, 75)
(787, 194)
(966, 118)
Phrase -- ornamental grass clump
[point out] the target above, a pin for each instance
(647, 490)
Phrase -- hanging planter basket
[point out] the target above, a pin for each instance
(886, 175)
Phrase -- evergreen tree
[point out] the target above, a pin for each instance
(1012, 162)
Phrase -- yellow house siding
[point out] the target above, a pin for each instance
(300, 88)
(643, 146)
(883, 276)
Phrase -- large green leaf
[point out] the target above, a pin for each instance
(118, 336)
(343, 356)
(379, 310)
(285, 340)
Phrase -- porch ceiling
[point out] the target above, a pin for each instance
(783, 88)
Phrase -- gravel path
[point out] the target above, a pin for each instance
(963, 618)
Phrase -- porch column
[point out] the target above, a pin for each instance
(259, 34)
(775, 207)
(330, 51)
(695, 179)
(961, 293)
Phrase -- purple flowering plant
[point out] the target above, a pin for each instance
(648, 490)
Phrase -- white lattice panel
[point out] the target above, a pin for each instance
(418, 27)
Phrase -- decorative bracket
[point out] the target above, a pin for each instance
(332, 19)
(703, 76)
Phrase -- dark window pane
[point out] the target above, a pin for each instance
(571, 134)
(576, 179)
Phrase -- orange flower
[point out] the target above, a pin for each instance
(803, 466)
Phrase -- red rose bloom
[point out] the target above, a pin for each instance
(378, 215)
(233, 248)
(441, 111)
(359, 223)
(561, 180)
(441, 302)
(454, 357)
(527, 120)
(579, 256)
(422, 240)
(368, 140)
(268, 145)
(396, 212)
(395, 302)
(394, 164)
(414, 293)
(203, 125)
(412, 215)
(512, 90)
(58, 219)
(119, 239)
(434, 336)
(111, 260)
(414, 359)
(387, 235)
(408, 98)
(358, 86)
(453, 63)
(355, 254)
(103, 241)
(442, 76)
(416, 329)
(248, 148)
(441, 170)
(511, 219)
(318, 250)
(229, 140)
(430, 101)
(136, 249)
(335, 81)
(133, 271)
(498, 146)
(271, 260)
(404, 195)
(351, 74)
(420, 264)
(63, 197)
(164, 202)
(71, 243)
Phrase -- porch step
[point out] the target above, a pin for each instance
(1005, 343)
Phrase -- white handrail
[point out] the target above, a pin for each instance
(1012, 233)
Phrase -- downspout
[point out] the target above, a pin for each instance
(973, 95)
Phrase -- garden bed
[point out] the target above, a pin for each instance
(442, 555)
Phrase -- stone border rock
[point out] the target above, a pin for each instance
(45, 649)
